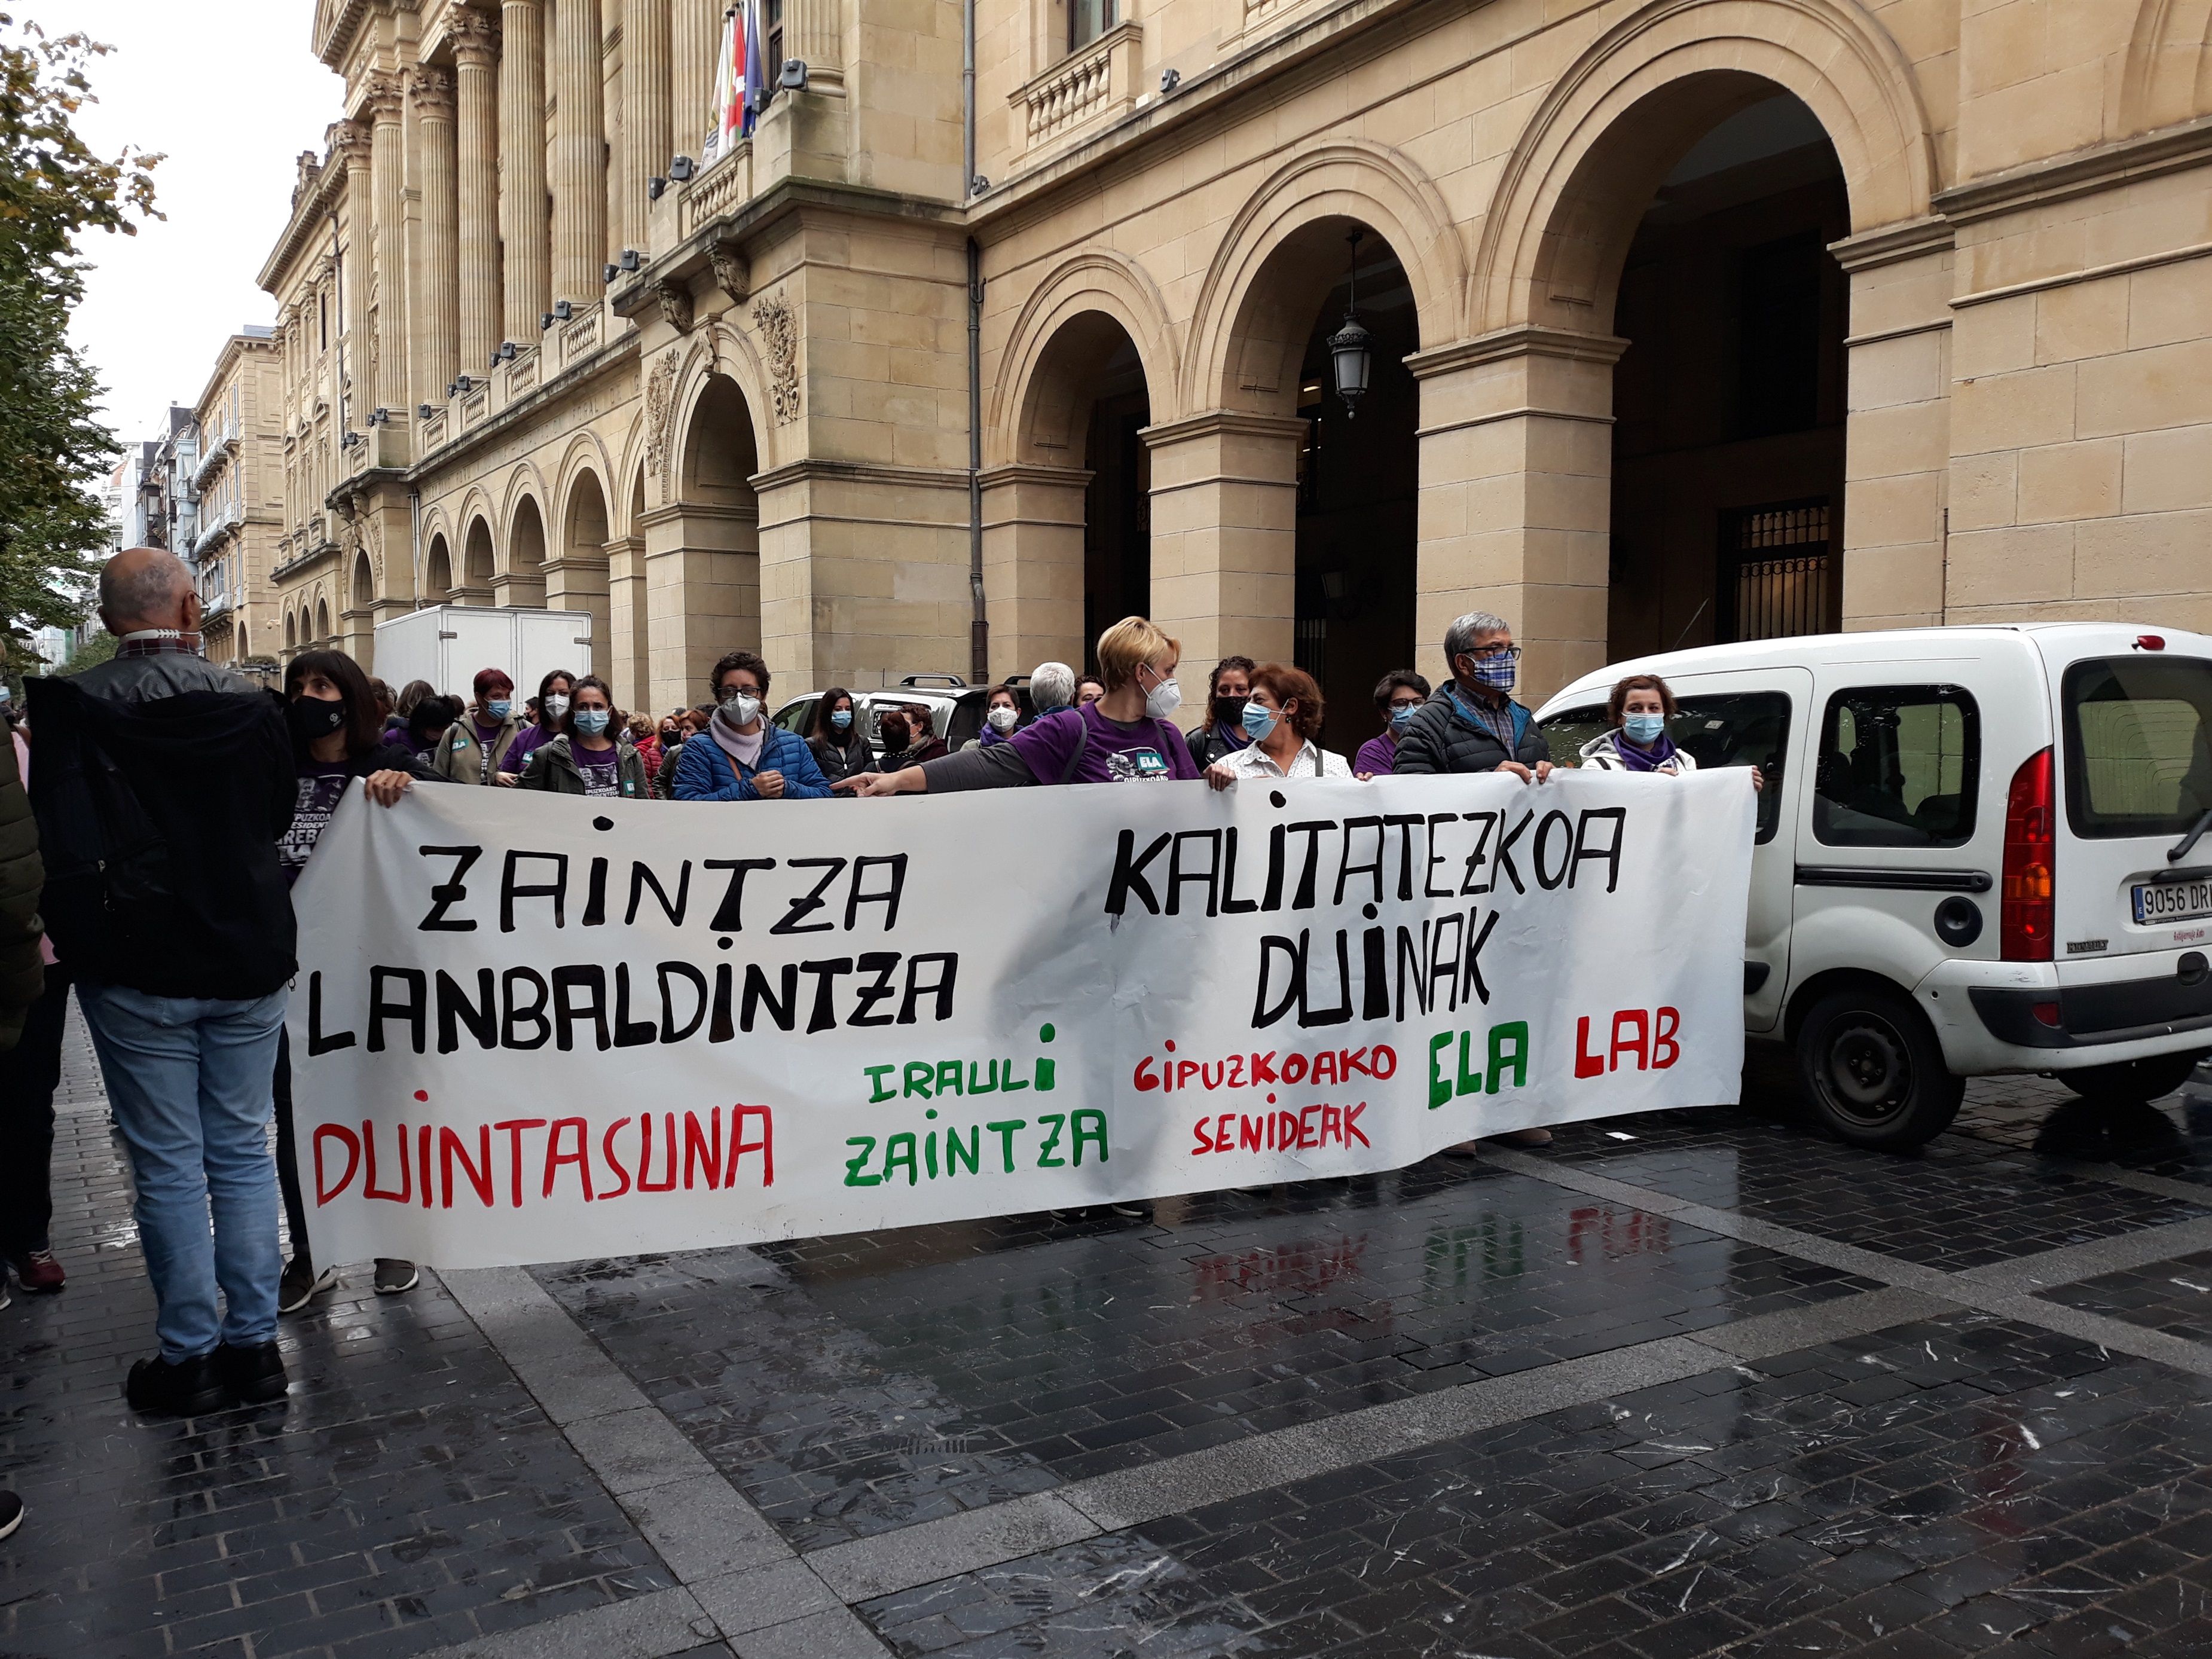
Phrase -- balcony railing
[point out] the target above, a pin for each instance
(719, 188)
(1098, 81)
(581, 338)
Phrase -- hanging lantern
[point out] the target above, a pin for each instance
(1349, 348)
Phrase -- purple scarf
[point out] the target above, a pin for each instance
(1644, 760)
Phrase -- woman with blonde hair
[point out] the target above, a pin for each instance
(1124, 736)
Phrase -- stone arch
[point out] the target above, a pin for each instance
(2168, 74)
(1621, 116)
(438, 567)
(477, 559)
(1256, 310)
(585, 527)
(291, 631)
(1075, 317)
(364, 582)
(322, 618)
(720, 353)
(721, 447)
(525, 537)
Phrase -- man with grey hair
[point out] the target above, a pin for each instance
(1472, 724)
(163, 785)
(1052, 687)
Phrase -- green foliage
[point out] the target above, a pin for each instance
(53, 448)
(95, 651)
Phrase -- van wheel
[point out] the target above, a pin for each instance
(1873, 1070)
(2131, 1081)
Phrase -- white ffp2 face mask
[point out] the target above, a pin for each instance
(556, 705)
(1164, 699)
(1002, 718)
(742, 708)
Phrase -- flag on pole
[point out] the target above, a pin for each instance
(727, 120)
(756, 65)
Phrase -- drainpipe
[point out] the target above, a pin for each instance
(979, 630)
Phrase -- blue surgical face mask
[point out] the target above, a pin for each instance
(1400, 716)
(1644, 730)
(591, 722)
(1258, 722)
(842, 718)
(499, 707)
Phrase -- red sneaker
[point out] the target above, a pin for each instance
(40, 1274)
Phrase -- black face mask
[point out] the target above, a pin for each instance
(310, 718)
(1229, 711)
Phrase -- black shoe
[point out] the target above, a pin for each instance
(11, 1514)
(1134, 1209)
(302, 1284)
(184, 1390)
(255, 1374)
(395, 1277)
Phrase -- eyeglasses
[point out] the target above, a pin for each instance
(1492, 652)
(1406, 702)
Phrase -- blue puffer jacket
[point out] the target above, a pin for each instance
(703, 772)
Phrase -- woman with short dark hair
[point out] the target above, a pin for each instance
(1223, 731)
(1282, 716)
(591, 754)
(1397, 695)
(1634, 740)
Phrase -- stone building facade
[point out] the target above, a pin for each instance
(1688, 320)
(239, 483)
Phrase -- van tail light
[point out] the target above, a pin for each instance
(2025, 922)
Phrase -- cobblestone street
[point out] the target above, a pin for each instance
(1702, 1383)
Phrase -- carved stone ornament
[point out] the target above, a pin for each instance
(384, 97)
(433, 91)
(476, 37)
(660, 410)
(675, 305)
(729, 273)
(779, 333)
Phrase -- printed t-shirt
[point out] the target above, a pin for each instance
(601, 773)
(1141, 750)
(533, 738)
(322, 787)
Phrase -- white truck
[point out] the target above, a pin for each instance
(448, 644)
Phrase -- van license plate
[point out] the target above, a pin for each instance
(2172, 901)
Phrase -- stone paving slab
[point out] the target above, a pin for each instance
(412, 1496)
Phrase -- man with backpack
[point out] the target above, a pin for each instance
(162, 785)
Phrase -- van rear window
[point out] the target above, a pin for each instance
(2138, 744)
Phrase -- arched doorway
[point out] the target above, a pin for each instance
(322, 621)
(523, 582)
(1067, 526)
(364, 582)
(702, 556)
(577, 579)
(291, 634)
(475, 585)
(1729, 401)
(438, 571)
(1352, 587)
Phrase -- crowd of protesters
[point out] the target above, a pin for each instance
(158, 762)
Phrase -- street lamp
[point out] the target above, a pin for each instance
(1349, 347)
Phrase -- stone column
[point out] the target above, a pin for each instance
(1033, 528)
(385, 164)
(435, 305)
(476, 57)
(522, 229)
(1899, 541)
(1225, 537)
(1515, 497)
(703, 594)
(646, 115)
(814, 32)
(628, 660)
(696, 35)
(579, 161)
(351, 141)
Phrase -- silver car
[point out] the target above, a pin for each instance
(956, 708)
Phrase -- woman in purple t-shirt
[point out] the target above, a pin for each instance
(1399, 693)
(1124, 736)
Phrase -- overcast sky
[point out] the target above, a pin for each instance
(230, 93)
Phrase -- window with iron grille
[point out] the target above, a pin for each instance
(1777, 570)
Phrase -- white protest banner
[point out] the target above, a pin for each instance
(536, 1027)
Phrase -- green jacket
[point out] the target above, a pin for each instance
(460, 754)
(22, 878)
(551, 767)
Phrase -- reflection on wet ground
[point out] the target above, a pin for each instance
(1968, 1483)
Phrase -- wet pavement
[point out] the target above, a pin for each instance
(1702, 1384)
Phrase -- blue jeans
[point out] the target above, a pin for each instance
(189, 1081)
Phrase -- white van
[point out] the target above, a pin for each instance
(1978, 852)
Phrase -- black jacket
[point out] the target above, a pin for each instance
(22, 974)
(843, 759)
(1442, 737)
(158, 819)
